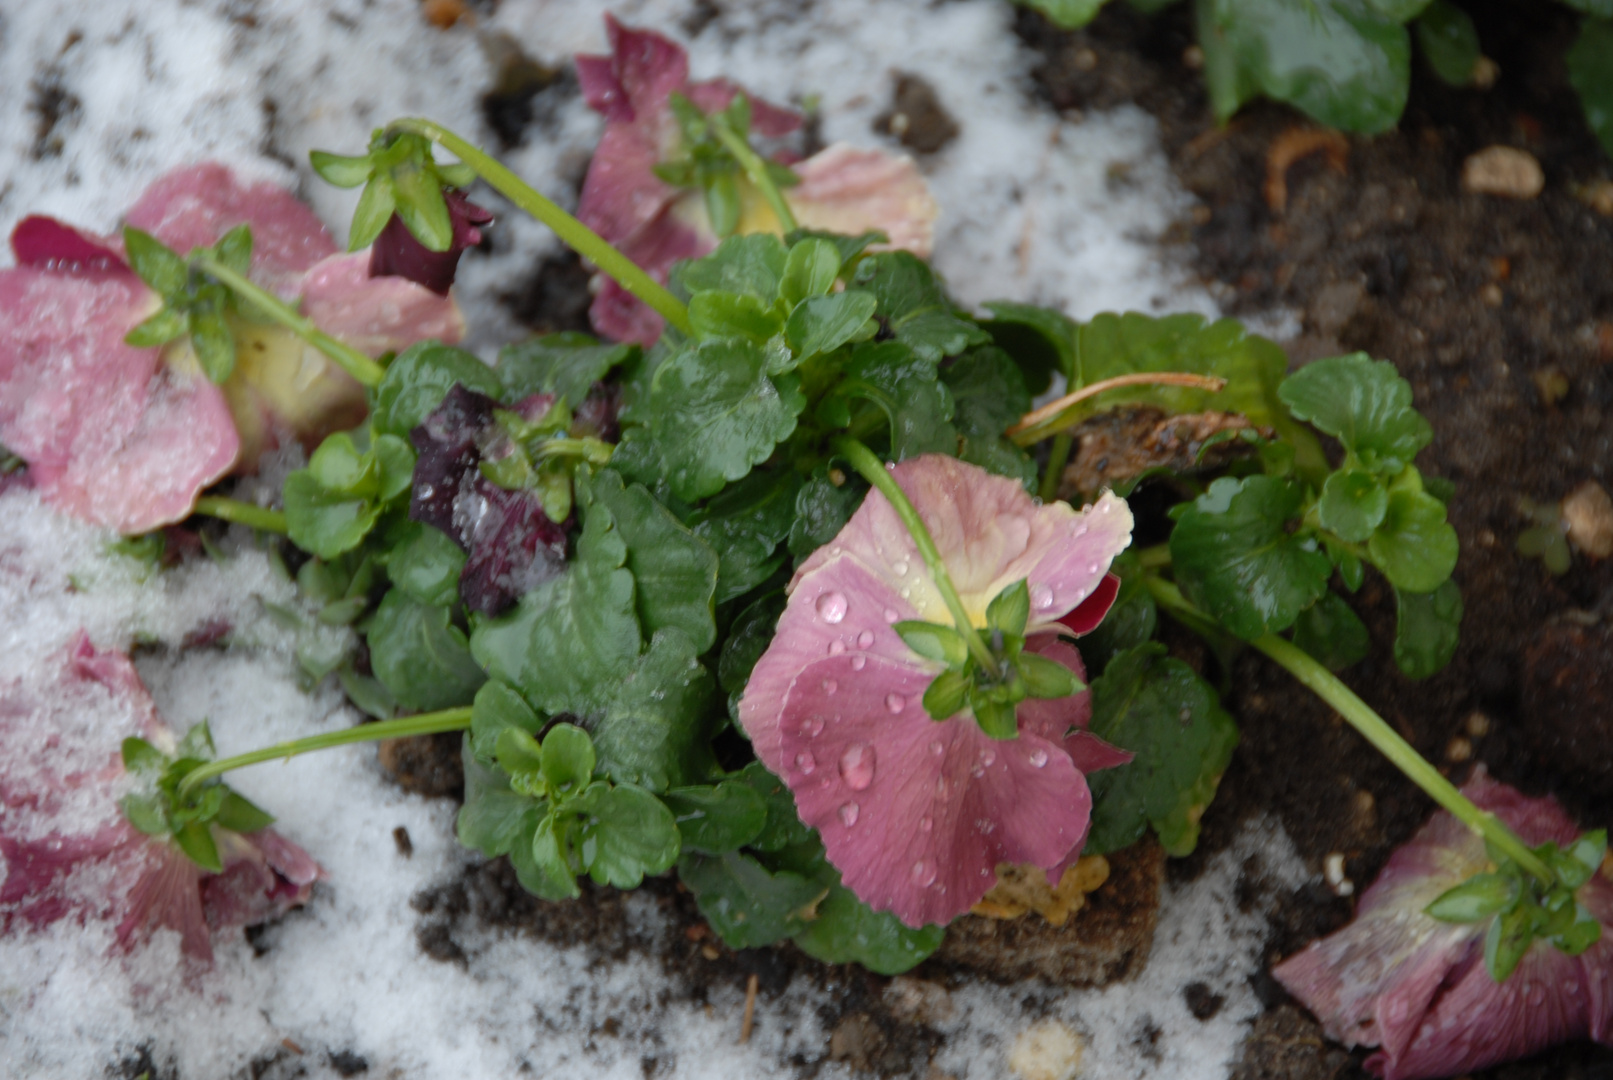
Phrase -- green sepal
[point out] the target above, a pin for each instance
(934, 641)
(997, 718)
(1010, 609)
(947, 695)
(340, 170)
(161, 328)
(1479, 897)
(239, 814)
(1507, 940)
(1046, 678)
(195, 839)
(154, 263)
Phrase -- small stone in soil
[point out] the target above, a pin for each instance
(400, 837)
(1202, 1002)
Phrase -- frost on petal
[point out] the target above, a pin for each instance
(376, 315)
(116, 435)
(1418, 990)
(194, 206)
(846, 189)
(47, 244)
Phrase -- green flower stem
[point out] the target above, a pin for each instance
(457, 719)
(1056, 460)
(1374, 728)
(258, 517)
(873, 470)
(1152, 558)
(756, 170)
(579, 237)
(355, 363)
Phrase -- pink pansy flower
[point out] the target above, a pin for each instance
(916, 814)
(66, 849)
(1418, 990)
(842, 189)
(127, 437)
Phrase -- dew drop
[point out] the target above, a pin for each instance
(1038, 758)
(806, 762)
(865, 639)
(926, 823)
(924, 872)
(832, 607)
(812, 727)
(1092, 568)
(1105, 506)
(907, 592)
(859, 662)
(935, 747)
(891, 615)
(901, 567)
(857, 766)
(848, 814)
(427, 491)
(895, 702)
(1080, 530)
(836, 647)
(988, 757)
(830, 686)
(1041, 597)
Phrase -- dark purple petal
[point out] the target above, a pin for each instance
(47, 244)
(513, 548)
(396, 252)
(447, 445)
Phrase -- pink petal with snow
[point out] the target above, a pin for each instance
(112, 434)
(846, 189)
(195, 206)
(47, 244)
(1418, 990)
(376, 315)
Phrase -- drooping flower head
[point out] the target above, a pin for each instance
(1418, 989)
(66, 849)
(842, 189)
(917, 813)
(127, 437)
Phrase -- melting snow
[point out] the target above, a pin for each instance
(120, 91)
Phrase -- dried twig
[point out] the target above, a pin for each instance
(1144, 378)
(750, 1010)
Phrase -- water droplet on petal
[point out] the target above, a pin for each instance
(848, 814)
(427, 491)
(935, 747)
(830, 686)
(926, 823)
(907, 593)
(988, 757)
(1105, 506)
(891, 615)
(857, 766)
(1081, 530)
(924, 872)
(836, 647)
(865, 639)
(1041, 597)
(806, 762)
(895, 702)
(832, 607)
(901, 567)
(812, 727)
(1038, 758)
(1092, 568)
(859, 662)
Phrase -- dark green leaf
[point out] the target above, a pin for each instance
(568, 759)
(1590, 70)
(934, 641)
(989, 396)
(717, 819)
(154, 263)
(195, 839)
(322, 522)
(914, 307)
(625, 834)
(1235, 558)
(375, 207)
(784, 828)
(947, 695)
(655, 729)
(495, 820)
(751, 264)
(1602, 9)
(824, 323)
(1414, 547)
(1040, 340)
(809, 270)
(566, 365)
(1353, 504)
(395, 459)
(496, 708)
(1157, 708)
(1067, 14)
(1337, 60)
(420, 656)
(1130, 622)
(748, 638)
(518, 754)
(848, 247)
(1332, 633)
(744, 524)
(339, 467)
(1365, 404)
(718, 414)
(822, 510)
(239, 814)
(425, 564)
(904, 385)
(1427, 627)
(746, 904)
(1449, 42)
(848, 931)
(416, 382)
(734, 315)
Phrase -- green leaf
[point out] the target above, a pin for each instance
(1401, 11)
(569, 641)
(1166, 715)
(934, 641)
(1414, 547)
(1449, 42)
(822, 509)
(154, 263)
(914, 307)
(568, 758)
(161, 328)
(822, 324)
(542, 866)
(416, 382)
(496, 708)
(1040, 341)
(674, 571)
(395, 459)
(1010, 609)
(214, 344)
(1353, 504)
(239, 814)
(1590, 70)
(718, 414)
(1067, 14)
(375, 208)
(1130, 622)
(751, 264)
(784, 829)
(849, 248)
(809, 270)
(626, 833)
(1234, 557)
(495, 819)
(1427, 628)
(566, 365)
(1602, 9)
(716, 819)
(1332, 633)
(1365, 404)
(425, 563)
(323, 522)
(339, 467)
(734, 315)
(947, 695)
(748, 638)
(1479, 897)
(988, 397)
(339, 170)
(905, 387)
(655, 729)
(195, 839)
(744, 524)
(848, 931)
(1589, 851)
(1509, 937)
(420, 656)
(745, 903)
(1340, 61)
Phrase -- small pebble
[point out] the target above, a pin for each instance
(1588, 515)
(1458, 749)
(1478, 725)
(1503, 170)
(1193, 58)
(400, 837)
(1333, 872)
(1046, 1051)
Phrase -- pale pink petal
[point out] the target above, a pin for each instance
(376, 315)
(195, 206)
(112, 434)
(617, 313)
(846, 189)
(917, 814)
(767, 120)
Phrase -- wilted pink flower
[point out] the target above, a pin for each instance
(128, 437)
(1418, 989)
(915, 813)
(842, 189)
(66, 849)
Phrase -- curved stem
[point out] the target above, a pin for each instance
(242, 513)
(756, 171)
(577, 236)
(873, 470)
(1152, 558)
(425, 724)
(1056, 460)
(1037, 425)
(1327, 686)
(355, 363)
